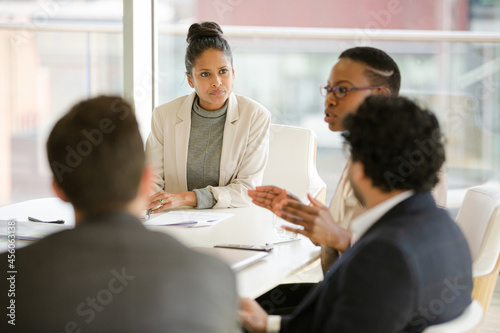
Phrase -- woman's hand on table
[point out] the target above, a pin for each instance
(165, 200)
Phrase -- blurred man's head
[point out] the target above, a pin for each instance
(368, 68)
(97, 156)
(397, 145)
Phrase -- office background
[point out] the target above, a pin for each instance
(55, 52)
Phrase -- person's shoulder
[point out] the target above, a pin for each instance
(420, 224)
(43, 251)
(53, 240)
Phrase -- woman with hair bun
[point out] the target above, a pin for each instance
(209, 147)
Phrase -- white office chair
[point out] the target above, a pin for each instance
(479, 219)
(467, 322)
(292, 162)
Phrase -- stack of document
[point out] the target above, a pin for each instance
(187, 218)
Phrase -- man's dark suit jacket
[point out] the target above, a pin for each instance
(411, 269)
(111, 274)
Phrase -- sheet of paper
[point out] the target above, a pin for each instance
(46, 209)
(187, 218)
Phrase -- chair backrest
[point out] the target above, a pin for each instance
(467, 322)
(477, 214)
(292, 161)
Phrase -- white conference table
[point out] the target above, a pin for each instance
(250, 225)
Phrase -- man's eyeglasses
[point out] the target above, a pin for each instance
(341, 91)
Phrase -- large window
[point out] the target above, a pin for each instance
(55, 52)
(52, 54)
(283, 50)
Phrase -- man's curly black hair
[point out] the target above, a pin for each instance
(399, 144)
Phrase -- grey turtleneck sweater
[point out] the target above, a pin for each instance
(204, 152)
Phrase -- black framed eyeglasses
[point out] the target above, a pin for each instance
(341, 91)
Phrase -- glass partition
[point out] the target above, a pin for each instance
(53, 54)
(453, 73)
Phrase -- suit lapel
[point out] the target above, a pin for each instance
(230, 133)
(312, 296)
(182, 132)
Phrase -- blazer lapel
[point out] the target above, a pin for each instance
(230, 134)
(312, 296)
(182, 132)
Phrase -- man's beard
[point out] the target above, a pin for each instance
(357, 193)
